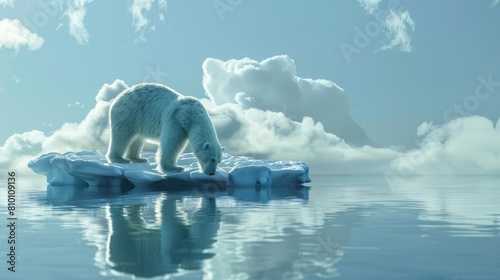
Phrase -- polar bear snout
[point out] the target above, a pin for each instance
(210, 169)
(208, 156)
(209, 172)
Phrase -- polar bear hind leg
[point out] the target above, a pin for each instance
(173, 140)
(118, 144)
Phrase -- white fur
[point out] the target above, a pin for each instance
(155, 112)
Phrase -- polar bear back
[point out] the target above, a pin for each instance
(138, 108)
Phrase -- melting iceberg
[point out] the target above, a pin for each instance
(236, 174)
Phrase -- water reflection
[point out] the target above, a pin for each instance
(441, 223)
(171, 242)
(269, 235)
(278, 249)
(463, 206)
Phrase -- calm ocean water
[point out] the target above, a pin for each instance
(340, 228)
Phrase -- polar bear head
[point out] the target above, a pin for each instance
(208, 157)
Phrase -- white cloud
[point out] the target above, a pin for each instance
(396, 23)
(14, 35)
(272, 84)
(263, 109)
(76, 104)
(398, 26)
(7, 3)
(75, 12)
(474, 149)
(20, 148)
(369, 5)
(266, 134)
(162, 6)
(463, 146)
(139, 10)
(252, 125)
(494, 3)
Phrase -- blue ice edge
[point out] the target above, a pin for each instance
(235, 174)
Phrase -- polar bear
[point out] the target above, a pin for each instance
(157, 113)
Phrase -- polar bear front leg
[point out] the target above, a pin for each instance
(134, 150)
(173, 140)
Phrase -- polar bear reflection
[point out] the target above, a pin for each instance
(167, 246)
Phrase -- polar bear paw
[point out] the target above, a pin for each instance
(138, 160)
(173, 170)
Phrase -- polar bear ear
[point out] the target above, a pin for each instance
(223, 149)
(206, 145)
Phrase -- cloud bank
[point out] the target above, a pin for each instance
(273, 85)
(14, 35)
(244, 98)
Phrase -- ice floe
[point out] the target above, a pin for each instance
(236, 174)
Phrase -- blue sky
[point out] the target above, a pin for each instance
(391, 92)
